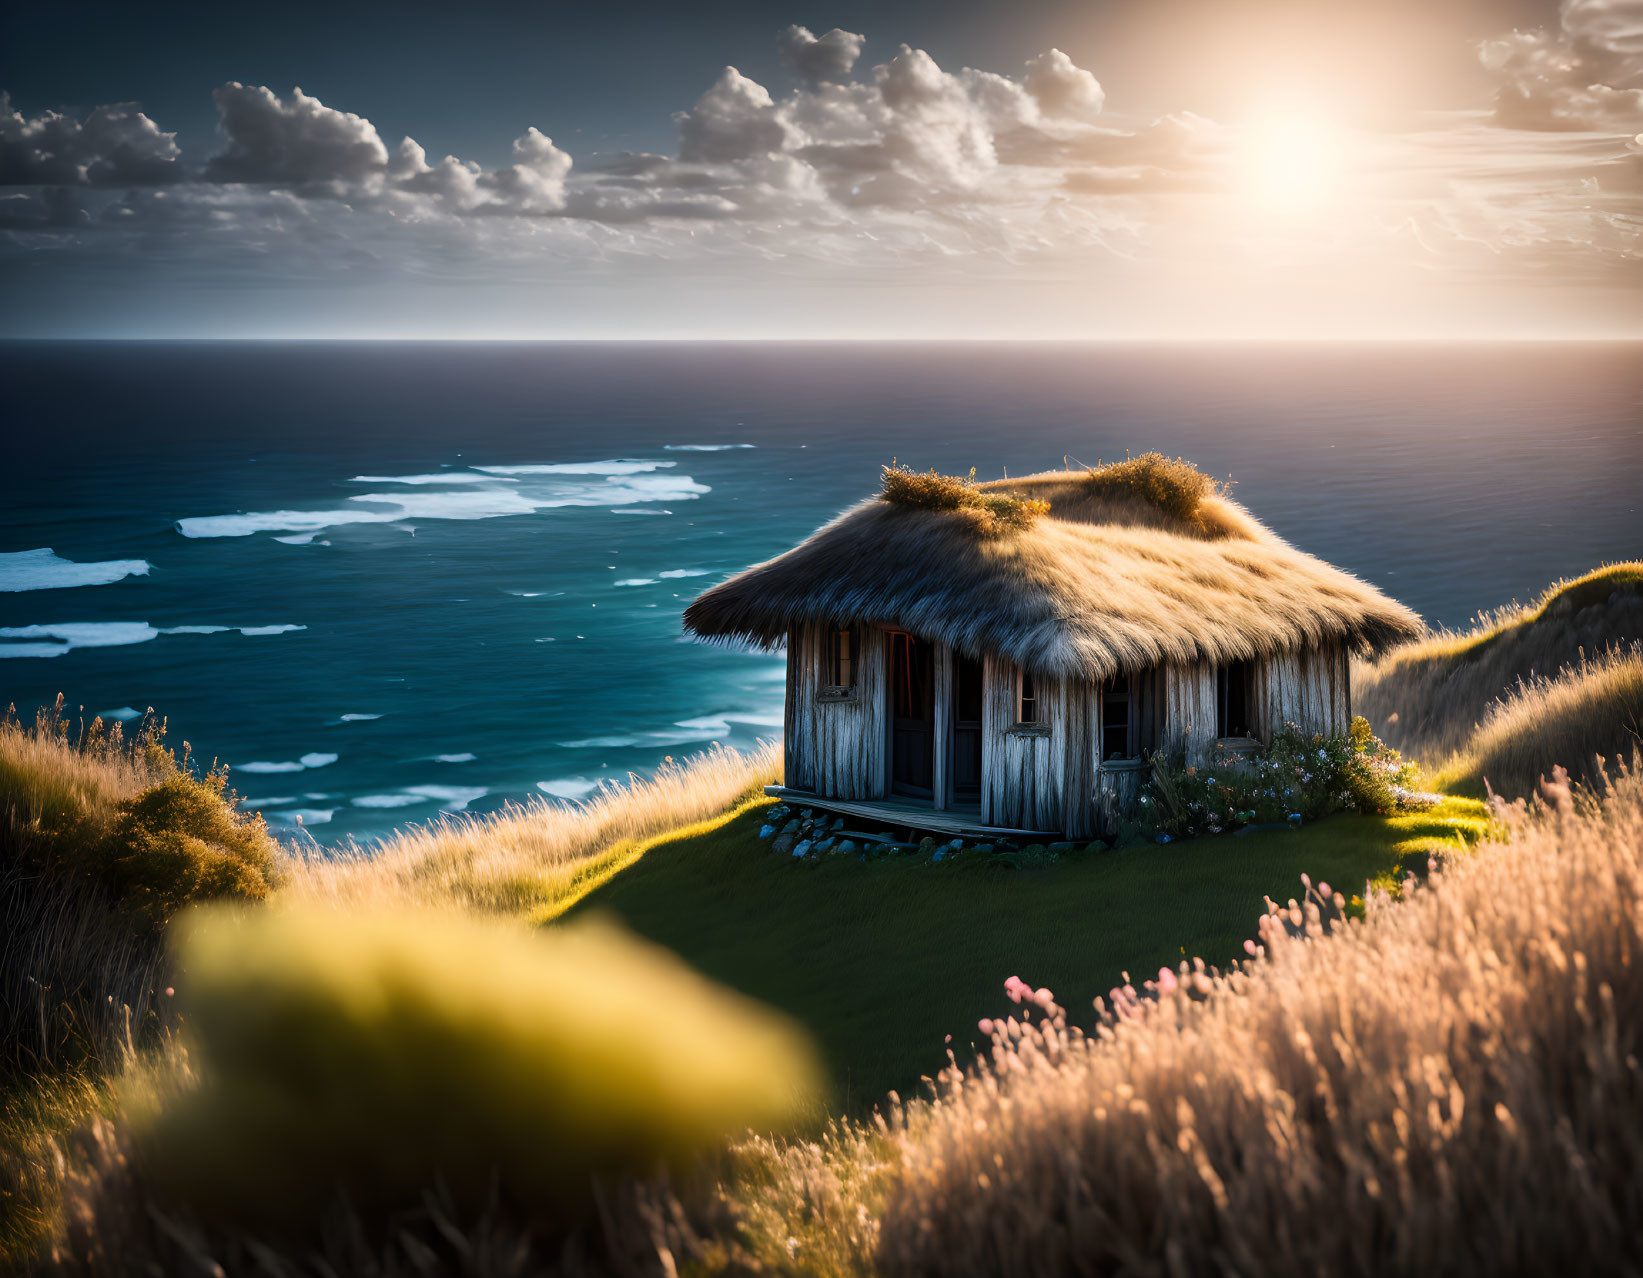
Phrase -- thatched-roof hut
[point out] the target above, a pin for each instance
(1007, 655)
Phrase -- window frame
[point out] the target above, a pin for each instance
(1132, 751)
(1224, 674)
(833, 664)
(1039, 724)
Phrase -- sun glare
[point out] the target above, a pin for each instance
(1289, 162)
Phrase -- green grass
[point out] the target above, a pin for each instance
(882, 959)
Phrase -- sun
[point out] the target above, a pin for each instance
(1289, 161)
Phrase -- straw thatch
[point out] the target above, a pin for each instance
(1099, 584)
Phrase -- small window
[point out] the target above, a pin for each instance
(1232, 701)
(841, 658)
(1117, 720)
(1029, 699)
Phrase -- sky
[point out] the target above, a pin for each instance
(995, 169)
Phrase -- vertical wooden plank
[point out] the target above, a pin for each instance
(876, 707)
(1081, 719)
(998, 692)
(1201, 721)
(942, 747)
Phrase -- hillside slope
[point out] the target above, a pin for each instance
(1428, 698)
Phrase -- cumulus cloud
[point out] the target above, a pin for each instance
(819, 59)
(294, 142)
(734, 120)
(114, 146)
(1062, 89)
(1586, 74)
(535, 181)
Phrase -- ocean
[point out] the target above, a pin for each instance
(383, 581)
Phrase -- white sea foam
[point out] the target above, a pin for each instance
(464, 757)
(123, 715)
(704, 448)
(303, 816)
(636, 581)
(44, 569)
(634, 510)
(223, 630)
(260, 766)
(253, 805)
(66, 636)
(707, 723)
(581, 468)
(358, 718)
(673, 574)
(442, 477)
(298, 539)
(568, 787)
(60, 637)
(601, 743)
(452, 798)
(617, 485)
(388, 800)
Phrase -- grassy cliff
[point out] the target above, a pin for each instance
(1446, 1081)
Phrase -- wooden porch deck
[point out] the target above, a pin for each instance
(910, 816)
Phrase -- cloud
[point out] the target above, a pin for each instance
(114, 146)
(819, 60)
(1062, 89)
(1584, 75)
(905, 170)
(734, 120)
(535, 181)
(297, 142)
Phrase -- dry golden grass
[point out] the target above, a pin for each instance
(526, 857)
(1585, 712)
(1172, 485)
(102, 839)
(991, 513)
(1427, 698)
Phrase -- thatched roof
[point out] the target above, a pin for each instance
(1097, 585)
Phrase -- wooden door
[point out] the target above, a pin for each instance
(912, 716)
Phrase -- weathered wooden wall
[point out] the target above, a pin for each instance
(1310, 689)
(1045, 777)
(1022, 769)
(1188, 726)
(837, 745)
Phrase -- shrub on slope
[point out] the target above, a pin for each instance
(1426, 698)
(102, 840)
